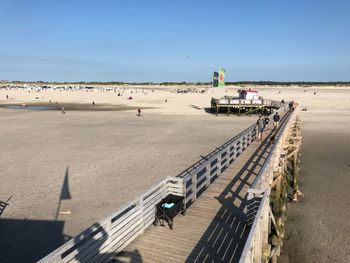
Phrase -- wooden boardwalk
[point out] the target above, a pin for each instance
(229, 217)
(215, 227)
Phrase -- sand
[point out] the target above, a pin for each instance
(110, 156)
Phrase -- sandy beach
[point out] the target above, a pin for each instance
(110, 155)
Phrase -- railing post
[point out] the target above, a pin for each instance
(194, 187)
(184, 191)
(207, 175)
(252, 134)
(240, 146)
(229, 152)
(218, 163)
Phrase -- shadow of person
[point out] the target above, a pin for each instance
(90, 244)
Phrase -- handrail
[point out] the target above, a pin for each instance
(258, 235)
(116, 231)
(204, 173)
(211, 154)
(256, 238)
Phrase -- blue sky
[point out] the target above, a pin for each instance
(174, 40)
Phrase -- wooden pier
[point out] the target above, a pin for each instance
(215, 227)
(235, 197)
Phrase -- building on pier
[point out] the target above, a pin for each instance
(247, 102)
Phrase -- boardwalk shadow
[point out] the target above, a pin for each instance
(23, 240)
(224, 239)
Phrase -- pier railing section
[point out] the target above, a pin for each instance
(204, 174)
(259, 212)
(111, 235)
(114, 233)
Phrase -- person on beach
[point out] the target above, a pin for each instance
(260, 125)
(63, 111)
(139, 112)
(276, 120)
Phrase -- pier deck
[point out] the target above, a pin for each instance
(214, 228)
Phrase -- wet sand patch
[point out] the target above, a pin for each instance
(71, 107)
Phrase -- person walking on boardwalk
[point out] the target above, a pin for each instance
(266, 122)
(260, 125)
(139, 112)
(276, 120)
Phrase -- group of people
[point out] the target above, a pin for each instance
(262, 124)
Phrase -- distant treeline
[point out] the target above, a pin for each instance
(270, 83)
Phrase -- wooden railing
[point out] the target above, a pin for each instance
(203, 174)
(260, 192)
(258, 235)
(115, 232)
